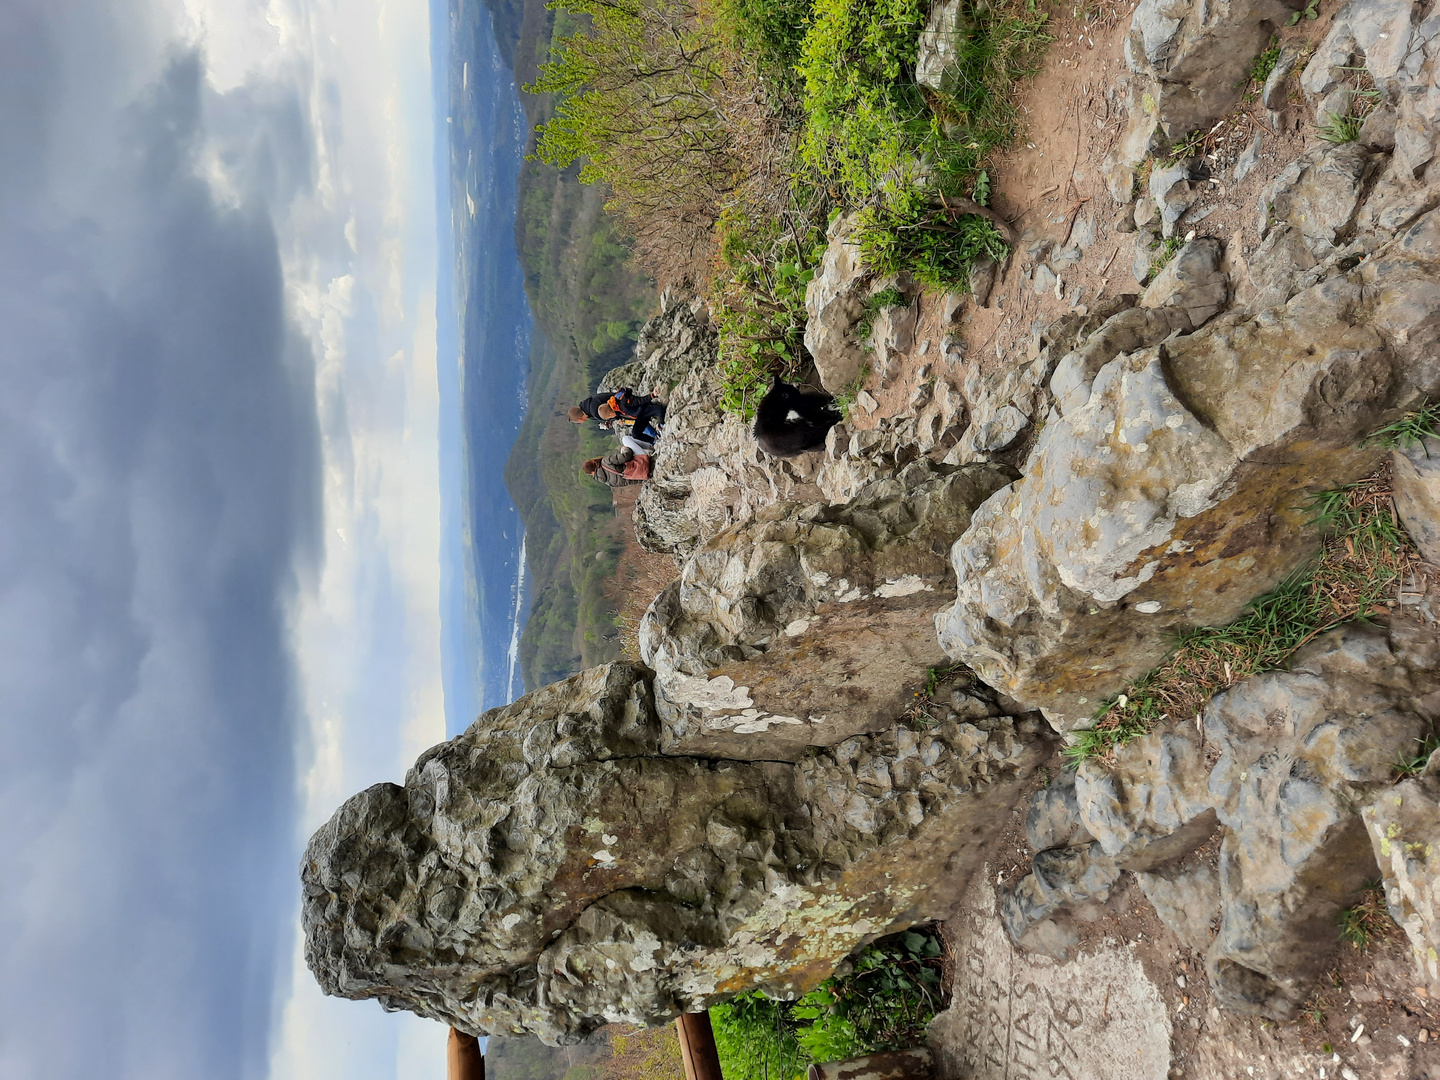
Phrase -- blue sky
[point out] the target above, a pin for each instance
(219, 515)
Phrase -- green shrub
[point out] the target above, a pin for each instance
(916, 233)
(883, 1003)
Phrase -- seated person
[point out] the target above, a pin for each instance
(643, 421)
(638, 443)
(619, 468)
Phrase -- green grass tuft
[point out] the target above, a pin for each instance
(1368, 921)
(1412, 428)
(1365, 554)
(1339, 129)
(1413, 764)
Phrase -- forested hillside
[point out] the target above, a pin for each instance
(588, 303)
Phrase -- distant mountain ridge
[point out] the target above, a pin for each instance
(588, 304)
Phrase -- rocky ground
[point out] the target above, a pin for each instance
(1042, 482)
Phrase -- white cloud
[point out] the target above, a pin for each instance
(360, 265)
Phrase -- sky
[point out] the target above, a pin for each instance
(219, 516)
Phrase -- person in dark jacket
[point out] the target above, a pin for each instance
(611, 468)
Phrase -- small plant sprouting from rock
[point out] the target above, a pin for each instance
(1310, 11)
(1411, 429)
(1166, 250)
(874, 304)
(883, 1003)
(1413, 764)
(1339, 129)
(1264, 64)
(845, 399)
(1368, 921)
(1365, 554)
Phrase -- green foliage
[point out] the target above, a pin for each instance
(636, 89)
(1413, 764)
(874, 304)
(759, 306)
(1264, 64)
(1364, 554)
(981, 191)
(771, 31)
(1340, 129)
(1368, 920)
(862, 111)
(891, 992)
(1310, 11)
(916, 232)
(1166, 250)
(755, 1038)
(1412, 428)
(1188, 147)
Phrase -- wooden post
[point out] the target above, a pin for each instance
(697, 1047)
(463, 1059)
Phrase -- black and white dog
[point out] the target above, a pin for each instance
(790, 421)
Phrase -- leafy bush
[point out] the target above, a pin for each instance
(759, 303)
(883, 1003)
(917, 233)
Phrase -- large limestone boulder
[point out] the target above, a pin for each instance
(1197, 54)
(1404, 827)
(550, 871)
(1300, 752)
(810, 624)
(1168, 493)
(835, 302)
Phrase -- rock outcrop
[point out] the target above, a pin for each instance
(1415, 470)
(1306, 761)
(809, 624)
(1404, 828)
(550, 870)
(1167, 492)
(835, 301)
(709, 472)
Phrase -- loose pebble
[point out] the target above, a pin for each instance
(1403, 1040)
(1359, 1030)
(1180, 981)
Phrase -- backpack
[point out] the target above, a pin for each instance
(638, 467)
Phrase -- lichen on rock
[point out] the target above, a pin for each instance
(551, 870)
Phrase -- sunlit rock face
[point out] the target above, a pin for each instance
(1169, 488)
(550, 870)
(810, 624)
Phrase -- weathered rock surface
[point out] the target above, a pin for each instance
(549, 871)
(835, 302)
(1166, 497)
(1149, 804)
(709, 472)
(1415, 470)
(1300, 752)
(1058, 877)
(1190, 60)
(1053, 819)
(939, 44)
(809, 624)
(1404, 827)
(1198, 55)
(1186, 896)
